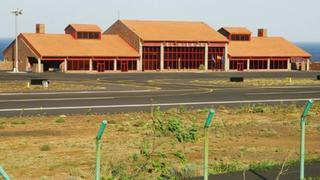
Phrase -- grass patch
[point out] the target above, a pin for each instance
(157, 144)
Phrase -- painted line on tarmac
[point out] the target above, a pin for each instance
(55, 99)
(156, 104)
(70, 92)
(283, 92)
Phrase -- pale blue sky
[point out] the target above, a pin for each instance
(296, 20)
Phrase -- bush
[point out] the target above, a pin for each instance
(201, 67)
(45, 147)
(60, 120)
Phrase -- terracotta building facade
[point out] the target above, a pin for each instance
(142, 46)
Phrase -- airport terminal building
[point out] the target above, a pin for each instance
(140, 46)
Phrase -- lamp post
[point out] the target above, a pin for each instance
(16, 12)
(98, 147)
(206, 143)
(302, 136)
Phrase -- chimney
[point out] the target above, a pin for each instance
(40, 28)
(262, 33)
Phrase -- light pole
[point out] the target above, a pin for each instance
(16, 12)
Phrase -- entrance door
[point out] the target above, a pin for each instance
(100, 67)
(240, 66)
(124, 66)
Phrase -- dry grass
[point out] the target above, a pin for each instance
(262, 82)
(51, 148)
(22, 86)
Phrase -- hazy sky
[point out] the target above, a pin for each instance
(296, 20)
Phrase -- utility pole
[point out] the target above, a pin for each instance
(16, 12)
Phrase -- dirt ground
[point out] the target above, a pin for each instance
(63, 147)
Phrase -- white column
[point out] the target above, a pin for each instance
(206, 53)
(161, 57)
(90, 65)
(289, 65)
(138, 66)
(308, 64)
(65, 65)
(140, 53)
(268, 64)
(39, 65)
(248, 64)
(115, 65)
(226, 59)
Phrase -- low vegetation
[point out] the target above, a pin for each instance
(22, 86)
(157, 145)
(262, 82)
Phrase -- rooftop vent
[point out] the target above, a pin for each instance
(40, 28)
(262, 33)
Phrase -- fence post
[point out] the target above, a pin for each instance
(98, 147)
(4, 174)
(302, 136)
(206, 143)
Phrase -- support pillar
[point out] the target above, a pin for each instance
(141, 54)
(206, 54)
(248, 64)
(65, 65)
(90, 65)
(39, 65)
(308, 65)
(161, 57)
(115, 65)
(289, 65)
(268, 64)
(226, 59)
(138, 66)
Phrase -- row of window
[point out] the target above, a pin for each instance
(88, 35)
(238, 37)
(241, 64)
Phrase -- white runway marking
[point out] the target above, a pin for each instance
(55, 99)
(284, 92)
(156, 104)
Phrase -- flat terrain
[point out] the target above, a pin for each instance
(147, 145)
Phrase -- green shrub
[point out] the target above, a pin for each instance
(180, 155)
(60, 120)
(45, 147)
(201, 67)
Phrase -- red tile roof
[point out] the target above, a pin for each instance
(265, 47)
(174, 31)
(237, 30)
(65, 45)
(85, 27)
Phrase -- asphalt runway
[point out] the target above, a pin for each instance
(167, 96)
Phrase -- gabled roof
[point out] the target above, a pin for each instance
(85, 27)
(237, 30)
(64, 45)
(174, 31)
(265, 47)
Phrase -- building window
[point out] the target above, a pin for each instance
(78, 65)
(236, 63)
(258, 64)
(240, 37)
(88, 35)
(151, 58)
(278, 64)
(215, 58)
(183, 57)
